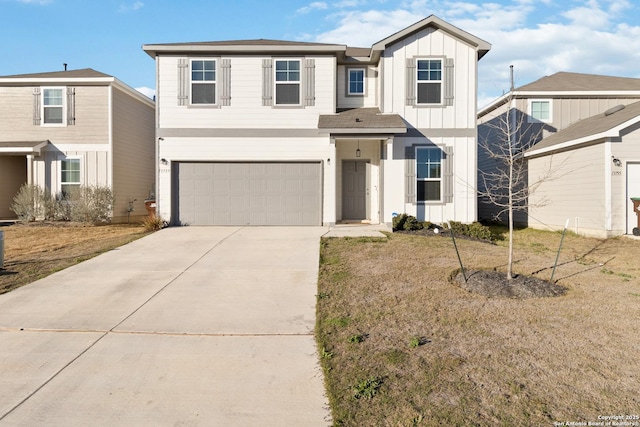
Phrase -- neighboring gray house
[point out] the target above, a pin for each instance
(600, 158)
(264, 132)
(544, 108)
(77, 127)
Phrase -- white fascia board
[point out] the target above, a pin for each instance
(154, 50)
(56, 80)
(134, 93)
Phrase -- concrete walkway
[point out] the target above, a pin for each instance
(208, 326)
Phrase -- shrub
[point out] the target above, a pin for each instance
(92, 204)
(28, 202)
(153, 223)
(475, 230)
(407, 223)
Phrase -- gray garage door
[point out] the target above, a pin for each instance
(266, 193)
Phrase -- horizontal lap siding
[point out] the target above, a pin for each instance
(577, 189)
(245, 110)
(133, 153)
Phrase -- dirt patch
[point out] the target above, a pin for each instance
(35, 250)
(496, 284)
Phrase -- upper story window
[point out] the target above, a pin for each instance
(540, 110)
(428, 174)
(288, 78)
(355, 81)
(429, 81)
(52, 106)
(203, 81)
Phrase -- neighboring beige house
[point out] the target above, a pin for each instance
(544, 108)
(72, 128)
(266, 132)
(600, 158)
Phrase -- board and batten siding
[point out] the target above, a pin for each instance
(91, 112)
(94, 166)
(133, 153)
(577, 191)
(245, 110)
(299, 149)
(438, 44)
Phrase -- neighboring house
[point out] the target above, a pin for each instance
(72, 128)
(600, 158)
(278, 132)
(543, 108)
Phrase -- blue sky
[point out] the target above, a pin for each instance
(539, 37)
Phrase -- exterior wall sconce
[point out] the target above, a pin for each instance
(164, 161)
(358, 152)
(616, 161)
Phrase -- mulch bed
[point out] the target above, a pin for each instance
(495, 284)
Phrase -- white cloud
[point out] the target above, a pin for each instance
(131, 7)
(147, 91)
(313, 6)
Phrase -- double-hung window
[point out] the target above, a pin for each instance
(355, 84)
(429, 81)
(69, 175)
(53, 106)
(428, 174)
(203, 82)
(288, 78)
(540, 110)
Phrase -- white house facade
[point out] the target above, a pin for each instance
(265, 132)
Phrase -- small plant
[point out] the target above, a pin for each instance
(368, 388)
(475, 230)
(339, 321)
(326, 354)
(153, 223)
(356, 339)
(322, 295)
(414, 342)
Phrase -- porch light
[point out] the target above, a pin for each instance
(358, 152)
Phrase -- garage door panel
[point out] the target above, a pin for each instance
(249, 193)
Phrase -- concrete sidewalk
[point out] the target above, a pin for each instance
(188, 326)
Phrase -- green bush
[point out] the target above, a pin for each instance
(407, 223)
(475, 230)
(28, 202)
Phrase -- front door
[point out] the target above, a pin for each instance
(354, 189)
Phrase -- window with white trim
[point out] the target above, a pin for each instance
(540, 110)
(203, 81)
(428, 174)
(355, 81)
(69, 175)
(53, 106)
(287, 82)
(429, 81)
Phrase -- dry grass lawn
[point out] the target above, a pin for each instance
(35, 250)
(401, 344)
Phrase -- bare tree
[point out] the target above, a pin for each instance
(506, 185)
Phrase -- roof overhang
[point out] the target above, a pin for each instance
(595, 138)
(482, 47)
(22, 148)
(362, 121)
(207, 48)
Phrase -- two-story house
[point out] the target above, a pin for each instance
(267, 132)
(579, 144)
(79, 127)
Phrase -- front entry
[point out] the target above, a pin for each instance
(354, 189)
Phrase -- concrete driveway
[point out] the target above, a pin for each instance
(207, 326)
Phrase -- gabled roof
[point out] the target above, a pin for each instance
(433, 21)
(570, 84)
(362, 121)
(597, 128)
(564, 81)
(244, 46)
(21, 148)
(85, 73)
(82, 77)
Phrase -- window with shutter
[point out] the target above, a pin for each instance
(428, 174)
(203, 82)
(288, 79)
(53, 106)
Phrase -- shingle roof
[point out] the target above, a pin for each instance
(361, 120)
(72, 74)
(564, 81)
(599, 126)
